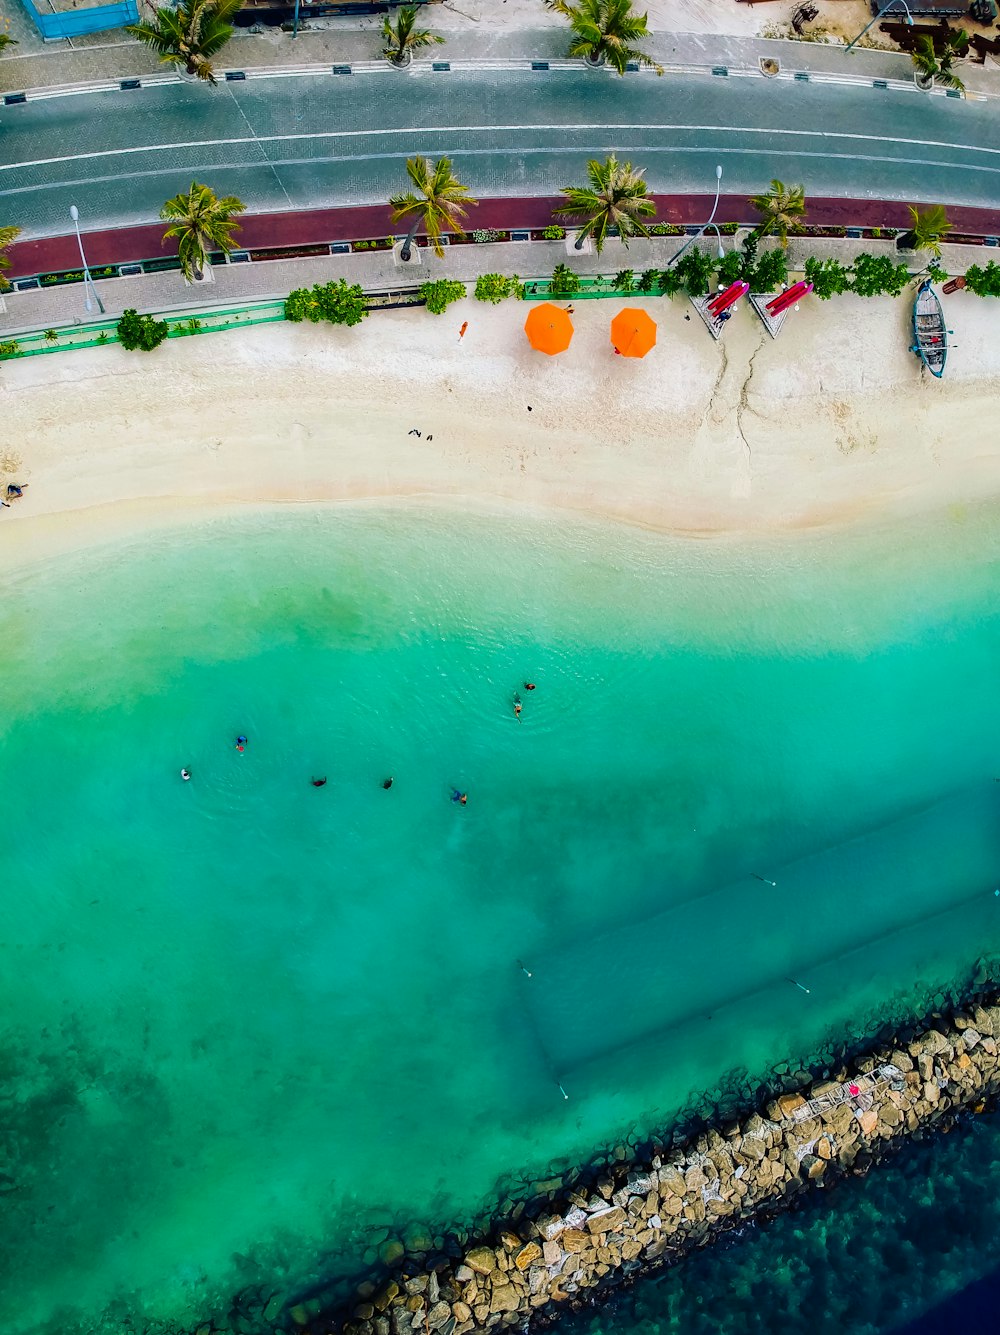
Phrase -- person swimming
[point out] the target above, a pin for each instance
(529, 685)
(517, 706)
(241, 742)
(318, 783)
(185, 774)
(458, 796)
(387, 783)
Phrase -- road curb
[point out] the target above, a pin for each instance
(438, 69)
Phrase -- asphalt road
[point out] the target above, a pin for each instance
(324, 140)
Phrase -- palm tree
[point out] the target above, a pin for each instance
(7, 235)
(606, 30)
(779, 209)
(931, 68)
(190, 34)
(201, 220)
(439, 203)
(616, 197)
(401, 40)
(928, 228)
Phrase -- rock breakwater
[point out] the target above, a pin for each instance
(577, 1242)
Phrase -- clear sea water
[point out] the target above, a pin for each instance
(251, 1027)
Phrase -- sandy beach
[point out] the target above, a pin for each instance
(832, 422)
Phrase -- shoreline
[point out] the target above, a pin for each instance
(746, 437)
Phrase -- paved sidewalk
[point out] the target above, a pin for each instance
(113, 55)
(236, 284)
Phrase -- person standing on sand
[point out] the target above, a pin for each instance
(461, 332)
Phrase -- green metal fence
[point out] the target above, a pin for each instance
(213, 319)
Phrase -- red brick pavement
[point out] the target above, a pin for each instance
(315, 226)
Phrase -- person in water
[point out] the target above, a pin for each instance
(185, 774)
(318, 783)
(517, 706)
(529, 685)
(387, 783)
(458, 796)
(241, 742)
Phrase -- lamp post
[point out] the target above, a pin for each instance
(704, 228)
(885, 7)
(88, 282)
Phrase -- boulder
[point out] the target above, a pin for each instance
(385, 1295)
(552, 1253)
(839, 1119)
(462, 1312)
(462, 1274)
(823, 1148)
(889, 1115)
(671, 1182)
(987, 1020)
(438, 1315)
(482, 1260)
(550, 1226)
(812, 1166)
(970, 1038)
(932, 1043)
(753, 1148)
(528, 1254)
(902, 1060)
(788, 1104)
(573, 1240)
(932, 1094)
(695, 1179)
(505, 1299)
(606, 1221)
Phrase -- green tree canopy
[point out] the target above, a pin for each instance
(403, 37)
(779, 208)
(7, 235)
(606, 30)
(440, 202)
(439, 293)
(140, 331)
(338, 303)
(189, 35)
(201, 222)
(617, 196)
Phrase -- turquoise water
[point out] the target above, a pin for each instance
(250, 1027)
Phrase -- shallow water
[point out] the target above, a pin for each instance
(251, 1026)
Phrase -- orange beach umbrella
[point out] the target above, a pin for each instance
(549, 328)
(633, 333)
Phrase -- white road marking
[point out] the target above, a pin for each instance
(271, 164)
(494, 129)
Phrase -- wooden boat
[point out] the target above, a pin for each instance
(930, 335)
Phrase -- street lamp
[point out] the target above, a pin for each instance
(88, 282)
(704, 228)
(885, 7)
(718, 236)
